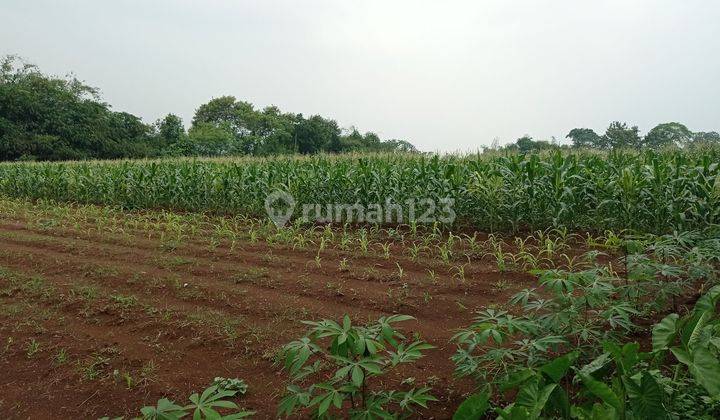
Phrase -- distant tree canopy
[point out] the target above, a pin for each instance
(527, 144)
(62, 118)
(246, 130)
(52, 118)
(620, 136)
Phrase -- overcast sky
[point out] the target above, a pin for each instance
(445, 75)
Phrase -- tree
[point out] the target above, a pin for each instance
(207, 139)
(352, 140)
(618, 135)
(224, 111)
(396, 145)
(316, 134)
(525, 143)
(710, 137)
(667, 134)
(170, 128)
(585, 137)
(51, 118)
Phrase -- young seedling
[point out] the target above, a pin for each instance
(400, 270)
(344, 266)
(32, 348)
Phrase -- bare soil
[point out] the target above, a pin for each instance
(100, 324)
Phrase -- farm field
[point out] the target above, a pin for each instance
(645, 191)
(363, 210)
(121, 297)
(115, 291)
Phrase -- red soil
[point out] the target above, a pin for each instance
(174, 319)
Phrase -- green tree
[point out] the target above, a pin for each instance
(396, 145)
(710, 137)
(51, 118)
(525, 143)
(668, 134)
(316, 134)
(206, 139)
(170, 128)
(585, 137)
(618, 135)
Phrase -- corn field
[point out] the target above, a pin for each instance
(642, 191)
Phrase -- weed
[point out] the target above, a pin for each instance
(32, 348)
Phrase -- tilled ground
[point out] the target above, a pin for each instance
(99, 324)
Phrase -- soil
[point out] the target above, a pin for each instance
(97, 324)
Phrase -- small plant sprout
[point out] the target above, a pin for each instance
(202, 407)
(460, 272)
(231, 384)
(32, 348)
(385, 250)
(445, 253)
(414, 251)
(427, 297)
(432, 276)
(61, 357)
(363, 241)
(8, 344)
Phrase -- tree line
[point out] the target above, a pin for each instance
(46, 117)
(619, 135)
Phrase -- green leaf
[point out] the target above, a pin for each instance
(516, 379)
(358, 376)
(557, 368)
(626, 357)
(325, 401)
(708, 301)
(646, 399)
(682, 355)
(696, 331)
(603, 412)
(558, 403)
(542, 399)
(601, 391)
(474, 407)
(706, 370)
(664, 332)
(597, 364)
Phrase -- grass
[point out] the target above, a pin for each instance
(125, 302)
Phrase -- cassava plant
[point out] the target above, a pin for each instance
(585, 317)
(204, 406)
(678, 378)
(332, 370)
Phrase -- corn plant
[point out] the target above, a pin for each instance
(647, 191)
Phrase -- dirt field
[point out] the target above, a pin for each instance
(97, 320)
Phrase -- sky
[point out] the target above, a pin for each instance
(444, 75)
